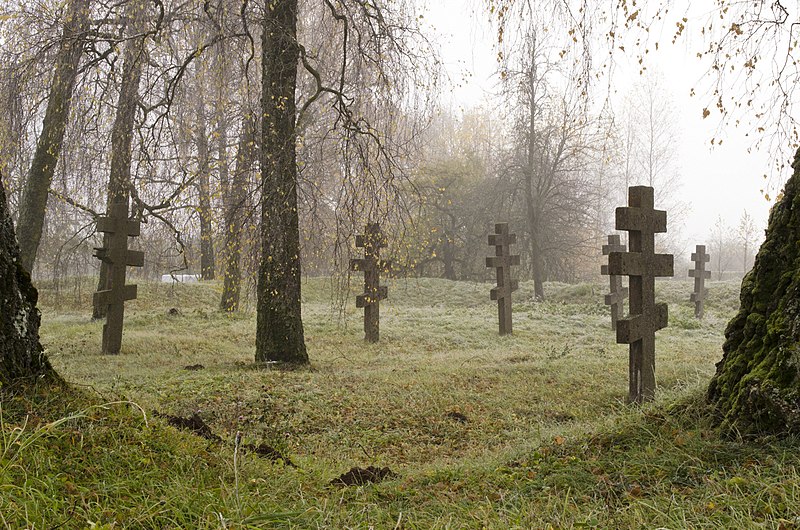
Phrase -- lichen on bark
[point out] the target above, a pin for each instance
(22, 358)
(756, 389)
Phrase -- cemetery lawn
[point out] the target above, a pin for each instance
(479, 431)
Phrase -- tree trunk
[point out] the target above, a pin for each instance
(279, 333)
(221, 118)
(537, 267)
(448, 256)
(203, 187)
(48, 148)
(122, 131)
(234, 215)
(21, 355)
(533, 188)
(757, 385)
(534, 231)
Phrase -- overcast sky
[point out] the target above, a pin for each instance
(724, 181)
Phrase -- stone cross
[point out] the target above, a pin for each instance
(617, 293)
(699, 273)
(642, 265)
(118, 257)
(372, 241)
(502, 261)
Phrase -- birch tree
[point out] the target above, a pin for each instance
(37, 185)
(21, 355)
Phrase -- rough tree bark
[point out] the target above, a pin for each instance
(534, 185)
(279, 333)
(33, 202)
(449, 255)
(234, 216)
(757, 385)
(122, 130)
(221, 119)
(203, 183)
(21, 355)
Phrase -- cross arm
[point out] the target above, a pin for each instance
(502, 239)
(694, 273)
(375, 241)
(637, 264)
(109, 296)
(635, 327)
(608, 249)
(617, 297)
(115, 225)
(133, 258)
(363, 300)
(359, 264)
(502, 261)
(498, 293)
(640, 219)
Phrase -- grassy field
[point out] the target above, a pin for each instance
(479, 431)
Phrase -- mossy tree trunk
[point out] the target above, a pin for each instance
(21, 355)
(279, 333)
(757, 386)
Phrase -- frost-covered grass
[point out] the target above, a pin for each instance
(482, 431)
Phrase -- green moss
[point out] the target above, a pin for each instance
(756, 387)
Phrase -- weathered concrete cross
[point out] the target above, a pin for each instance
(699, 273)
(617, 293)
(502, 261)
(642, 265)
(372, 241)
(118, 257)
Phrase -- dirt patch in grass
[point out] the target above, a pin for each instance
(270, 453)
(193, 424)
(358, 476)
(457, 416)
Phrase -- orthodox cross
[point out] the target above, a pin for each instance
(502, 261)
(118, 228)
(371, 241)
(699, 273)
(617, 293)
(642, 265)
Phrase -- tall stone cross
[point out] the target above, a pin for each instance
(617, 293)
(642, 265)
(118, 257)
(371, 241)
(699, 273)
(502, 261)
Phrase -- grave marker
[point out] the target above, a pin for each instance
(371, 241)
(642, 265)
(699, 273)
(617, 293)
(502, 261)
(118, 257)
